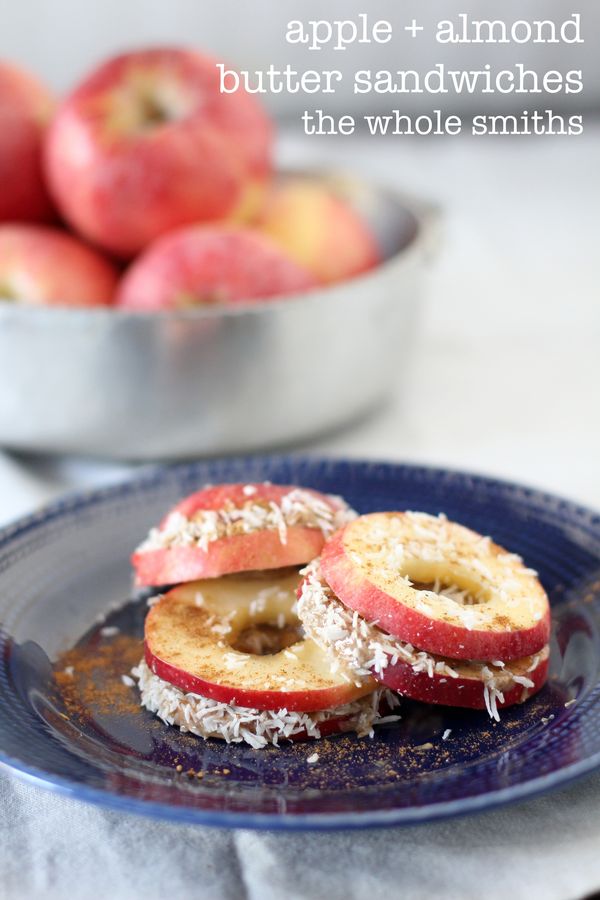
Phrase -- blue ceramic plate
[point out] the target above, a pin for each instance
(64, 567)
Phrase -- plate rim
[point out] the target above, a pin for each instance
(345, 821)
(406, 816)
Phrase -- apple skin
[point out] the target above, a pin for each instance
(25, 110)
(463, 691)
(357, 592)
(318, 230)
(147, 143)
(294, 701)
(217, 496)
(181, 648)
(255, 551)
(240, 553)
(42, 266)
(203, 265)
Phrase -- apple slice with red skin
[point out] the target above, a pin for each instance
(183, 647)
(468, 689)
(347, 638)
(370, 565)
(259, 550)
(255, 550)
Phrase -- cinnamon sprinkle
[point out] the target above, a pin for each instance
(89, 677)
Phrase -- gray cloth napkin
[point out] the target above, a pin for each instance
(55, 848)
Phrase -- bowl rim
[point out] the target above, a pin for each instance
(424, 212)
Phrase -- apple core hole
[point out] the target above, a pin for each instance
(461, 594)
(267, 639)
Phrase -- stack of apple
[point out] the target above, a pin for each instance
(391, 603)
(146, 188)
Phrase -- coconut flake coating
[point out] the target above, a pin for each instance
(295, 508)
(365, 649)
(258, 728)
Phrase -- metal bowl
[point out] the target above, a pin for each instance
(207, 381)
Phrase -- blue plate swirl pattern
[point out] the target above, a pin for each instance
(67, 565)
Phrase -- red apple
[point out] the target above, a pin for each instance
(467, 690)
(375, 564)
(201, 266)
(41, 266)
(148, 143)
(190, 639)
(170, 556)
(25, 110)
(318, 230)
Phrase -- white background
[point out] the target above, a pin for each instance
(61, 38)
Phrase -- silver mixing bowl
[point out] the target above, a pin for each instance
(208, 381)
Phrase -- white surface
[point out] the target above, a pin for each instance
(507, 375)
(505, 381)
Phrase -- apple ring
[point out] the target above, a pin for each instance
(376, 563)
(196, 638)
(238, 528)
(355, 644)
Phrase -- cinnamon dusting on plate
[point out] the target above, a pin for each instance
(90, 677)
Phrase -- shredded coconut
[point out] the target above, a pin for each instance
(350, 639)
(223, 625)
(109, 631)
(235, 724)
(365, 649)
(313, 758)
(491, 693)
(235, 660)
(446, 734)
(296, 508)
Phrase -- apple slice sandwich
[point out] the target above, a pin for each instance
(226, 657)
(238, 528)
(430, 609)
(225, 654)
(248, 648)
